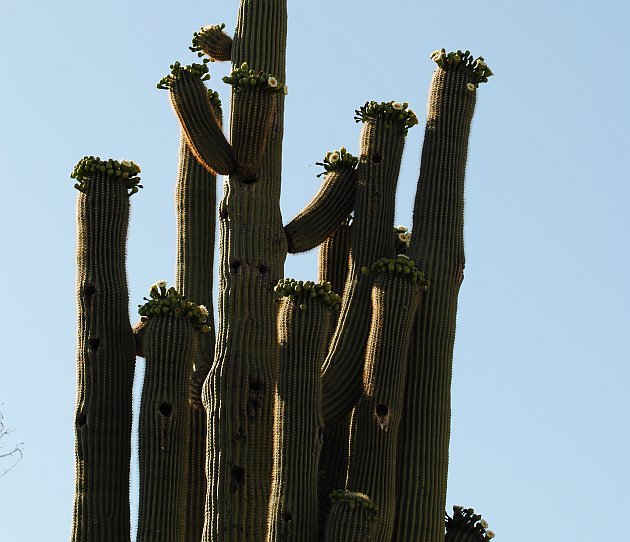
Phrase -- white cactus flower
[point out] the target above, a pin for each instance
(470, 86)
(402, 228)
(272, 82)
(334, 157)
(397, 105)
(404, 237)
(484, 523)
(286, 89)
(204, 310)
(490, 535)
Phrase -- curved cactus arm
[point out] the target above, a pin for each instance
(195, 203)
(303, 325)
(238, 394)
(437, 246)
(192, 104)
(382, 144)
(353, 518)
(214, 42)
(466, 526)
(326, 211)
(170, 346)
(105, 352)
(333, 262)
(376, 418)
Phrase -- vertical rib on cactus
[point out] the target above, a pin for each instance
(376, 418)
(353, 518)
(303, 325)
(105, 365)
(437, 246)
(239, 391)
(169, 346)
(382, 143)
(195, 200)
(333, 267)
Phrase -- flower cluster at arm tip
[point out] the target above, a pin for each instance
(464, 61)
(402, 265)
(169, 301)
(244, 78)
(301, 292)
(465, 519)
(336, 160)
(89, 166)
(177, 70)
(355, 500)
(395, 112)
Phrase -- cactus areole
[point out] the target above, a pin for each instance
(313, 410)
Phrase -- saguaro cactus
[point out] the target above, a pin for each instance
(298, 421)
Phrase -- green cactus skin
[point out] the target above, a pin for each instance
(239, 392)
(170, 345)
(333, 267)
(382, 146)
(298, 421)
(214, 42)
(189, 97)
(437, 246)
(105, 365)
(353, 518)
(376, 418)
(195, 197)
(325, 213)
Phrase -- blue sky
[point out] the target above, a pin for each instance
(540, 434)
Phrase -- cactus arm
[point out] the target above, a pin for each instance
(325, 213)
(303, 325)
(376, 418)
(105, 363)
(170, 345)
(189, 98)
(195, 197)
(466, 526)
(437, 246)
(214, 42)
(353, 518)
(239, 391)
(333, 267)
(382, 144)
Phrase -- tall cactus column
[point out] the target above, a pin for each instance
(170, 344)
(376, 418)
(382, 144)
(239, 391)
(303, 324)
(105, 352)
(437, 246)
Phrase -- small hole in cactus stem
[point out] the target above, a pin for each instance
(234, 265)
(255, 385)
(223, 212)
(376, 157)
(93, 344)
(263, 269)
(287, 516)
(381, 411)
(166, 409)
(81, 419)
(249, 179)
(238, 474)
(89, 291)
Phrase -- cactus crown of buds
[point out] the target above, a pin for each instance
(90, 166)
(303, 292)
(177, 71)
(338, 159)
(396, 112)
(464, 61)
(244, 78)
(214, 98)
(163, 301)
(356, 501)
(204, 33)
(402, 265)
(466, 521)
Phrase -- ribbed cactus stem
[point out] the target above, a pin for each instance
(195, 201)
(325, 212)
(333, 267)
(204, 135)
(382, 144)
(302, 335)
(105, 365)
(353, 518)
(376, 418)
(239, 392)
(170, 344)
(437, 246)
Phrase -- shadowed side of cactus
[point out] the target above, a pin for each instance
(105, 352)
(376, 418)
(303, 323)
(214, 42)
(437, 246)
(353, 518)
(382, 144)
(239, 392)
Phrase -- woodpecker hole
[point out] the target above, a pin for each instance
(381, 411)
(223, 212)
(234, 265)
(93, 344)
(249, 179)
(376, 157)
(238, 474)
(255, 385)
(81, 419)
(262, 268)
(88, 292)
(166, 409)
(287, 516)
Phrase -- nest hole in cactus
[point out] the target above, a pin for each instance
(88, 291)
(81, 419)
(93, 344)
(376, 157)
(255, 385)
(166, 409)
(238, 474)
(262, 268)
(234, 265)
(287, 516)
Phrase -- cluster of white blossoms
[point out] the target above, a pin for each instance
(338, 159)
(244, 78)
(477, 68)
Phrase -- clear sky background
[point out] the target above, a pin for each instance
(540, 434)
